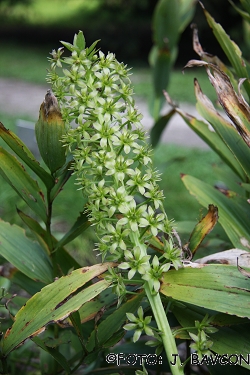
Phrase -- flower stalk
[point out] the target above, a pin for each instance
(113, 165)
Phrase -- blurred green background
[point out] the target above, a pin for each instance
(124, 26)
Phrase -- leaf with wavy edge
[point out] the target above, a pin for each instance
(55, 302)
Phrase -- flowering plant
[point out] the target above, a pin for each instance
(113, 164)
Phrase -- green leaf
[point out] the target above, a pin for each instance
(64, 260)
(91, 308)
(61, 180)
(243, 14)
(226, 131)
(233, 340)
(246, 186)
(213, 140)
(234, 214)
(155, 105)
(63, 337)
(222, 320)
(90, 51)
(115, 338)
(54, 353)
(161, 72)
(4, 283)
(229, 178)
(79, 41)
(55, 302)
(40, 234)
(226, 369)
(27, 188)
(20, 279)
(159, 126)
(230, 340)
(166, 23)
(75, 319)
(187, 10)
(246, 5)
(25, 154)
(79, 226)
(217, 287)
(107, 328)
(230, 48)
(69, 46)
(24, 254)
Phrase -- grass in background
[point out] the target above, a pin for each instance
(24, 62)
(181, 85)
(9, 122)
(172, 161)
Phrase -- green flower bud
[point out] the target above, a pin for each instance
(49, 129)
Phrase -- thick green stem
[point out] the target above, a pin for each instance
(168, 339)
(155, 302)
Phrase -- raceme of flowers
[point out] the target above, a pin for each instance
(112, 159)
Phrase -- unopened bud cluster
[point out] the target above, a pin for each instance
(111, 157)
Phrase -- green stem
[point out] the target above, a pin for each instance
(166, 333)
(48, 229)
(156, 304)
(48, 223)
